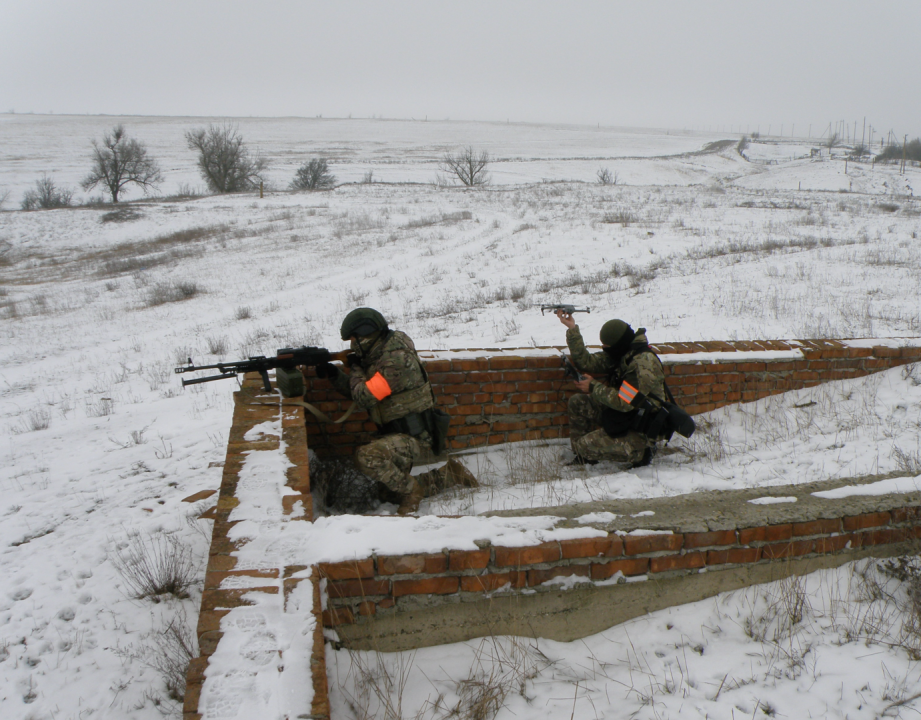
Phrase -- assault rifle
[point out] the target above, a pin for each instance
(568, 309)
(286, 359)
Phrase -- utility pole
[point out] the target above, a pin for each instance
(863, 135)
(904, 151)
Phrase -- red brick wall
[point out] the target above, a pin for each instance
(499, 397)
(383, 583)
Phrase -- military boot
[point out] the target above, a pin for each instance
(409, 503)
(456, 473)
(648, 454)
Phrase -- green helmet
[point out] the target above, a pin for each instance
(361, 322)
(612, 331)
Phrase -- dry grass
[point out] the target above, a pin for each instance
(155, 566)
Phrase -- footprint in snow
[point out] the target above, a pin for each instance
(21, 594)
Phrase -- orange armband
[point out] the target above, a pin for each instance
(627, 392)
(378, 386)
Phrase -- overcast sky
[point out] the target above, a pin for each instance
(674, 63)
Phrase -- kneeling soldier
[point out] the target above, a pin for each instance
(607, 422)
(387, 379)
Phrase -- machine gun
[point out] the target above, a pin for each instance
(568, 309)
(286, 359)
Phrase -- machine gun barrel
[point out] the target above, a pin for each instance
(287, 358)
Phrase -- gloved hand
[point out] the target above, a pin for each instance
(326, 370)
(352, 360)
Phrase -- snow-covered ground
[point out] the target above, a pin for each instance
(102, 443)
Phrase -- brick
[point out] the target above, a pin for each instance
(446, 378)
(213, 579)
(867, 520)
(231, 598)
(735, 556)
(905, 514)
(540, 576)
(637, 544)
(886, 536)
(628, 566)
(708, 539)
(191, 698)
(493, 581)
(494, 387)
(333, 616)
(610, 546)
(468, 559)
(506, 363)
(221, 563)
(766, 533)
(509, 426)
(470, 365)
(208, 642)
(426, 586)
(787, 549)
(348, 570)
(515, 556)
(196, 672)
(881, 351)
(817, 527)
(409, 564)
(677, 562)
(200, 495)
(357, 588)
(437, 366)
(210, 621)
(832, 544)
(367, 607)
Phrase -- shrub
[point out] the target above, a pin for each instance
(606, 177)
(894, 152)
(468, 167)
(120, 161)
(46, 196)
(223, 159)
(155, 566)
(314, 175)
(166, 292)
(742, 146)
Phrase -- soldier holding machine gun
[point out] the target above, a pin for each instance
(386, 378)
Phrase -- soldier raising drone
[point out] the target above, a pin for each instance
(387, 379)
(605, 422)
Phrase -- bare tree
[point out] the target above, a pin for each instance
(4, 196)
(119, 161)
(833, 141)
(46, 196)
(606, 177)
(314, 175)
(468, 166)
(224, 160)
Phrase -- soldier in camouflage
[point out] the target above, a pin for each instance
(603, 425)
(387, 379)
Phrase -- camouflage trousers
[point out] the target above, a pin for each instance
(390, 458)
(591, 442)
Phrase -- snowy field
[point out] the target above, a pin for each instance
(101, 442)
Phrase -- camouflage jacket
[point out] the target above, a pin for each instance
(642, 370)
(390, 381)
